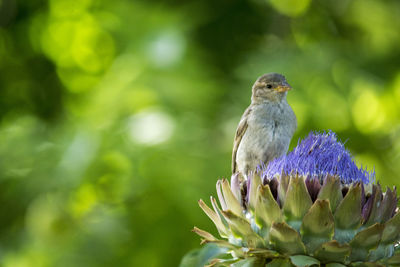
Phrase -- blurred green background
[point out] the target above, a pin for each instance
(117, 116)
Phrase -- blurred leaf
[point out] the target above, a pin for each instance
(200, 257)
(291, 8)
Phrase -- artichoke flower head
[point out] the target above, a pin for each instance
(311, 207)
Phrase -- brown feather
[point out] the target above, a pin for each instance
(240, 131)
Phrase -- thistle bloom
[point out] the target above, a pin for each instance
(312, 207)
(319, 155)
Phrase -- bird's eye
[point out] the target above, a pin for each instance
(269, 86)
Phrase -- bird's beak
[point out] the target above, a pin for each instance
(283, 88)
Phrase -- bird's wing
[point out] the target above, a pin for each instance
(240, 131)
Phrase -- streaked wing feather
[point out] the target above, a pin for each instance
(240, 131)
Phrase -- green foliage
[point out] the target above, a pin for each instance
(117, 116)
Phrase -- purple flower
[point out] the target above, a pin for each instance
(318, 155)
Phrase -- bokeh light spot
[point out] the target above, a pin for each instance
(56, 41)
(368, 115)
(78, 42)
(78, 156)
(83, 200)
(166, 49)
(150, 127)
(291, 8)
(93, 48)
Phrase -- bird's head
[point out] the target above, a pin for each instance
(271, 87)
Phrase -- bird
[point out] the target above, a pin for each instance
(266, 127)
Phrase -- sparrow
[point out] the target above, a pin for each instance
(266, 127)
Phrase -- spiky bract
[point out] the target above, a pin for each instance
(297, 221)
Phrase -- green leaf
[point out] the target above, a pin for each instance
(286, 240)
(364, 241)
(236, 180)
(250, 262)
(366, 264)
(332, 251)
(279, 263)
(255, 181)
(221, 262)
(304, 261)
(389, 204)
(199, 257)
(382, 251)
(331, 191)
(335, 265)
(391, 233)
(206, 235)
(282, 188)
(219, 213)
(348, 214)
(267, 209)
(230, 200)
(222, 230)
(297, 202)
(376, 207)
(318, 225)
(220, 195)
(261, 252)
(394, 260)
(242, 229)
(209, 238)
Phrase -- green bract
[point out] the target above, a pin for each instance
(297, 221)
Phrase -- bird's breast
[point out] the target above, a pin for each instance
(269, 132)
